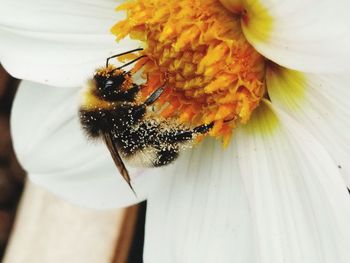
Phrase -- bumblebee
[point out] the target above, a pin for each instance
(131, 131)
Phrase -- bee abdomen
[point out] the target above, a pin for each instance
(92, 122)
(165, 157)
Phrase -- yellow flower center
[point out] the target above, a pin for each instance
(197, 49)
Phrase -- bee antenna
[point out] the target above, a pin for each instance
(121, 54)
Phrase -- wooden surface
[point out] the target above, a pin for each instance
(126, 235)
(49, 230)
(11, 174)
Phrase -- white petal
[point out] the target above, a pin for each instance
(54, 151)
(319, 103)
(312, 36)
(267, 198)
(58, 42)
(201, 212)
(300, 206)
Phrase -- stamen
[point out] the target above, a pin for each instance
(198, 49)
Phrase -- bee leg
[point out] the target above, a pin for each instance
(154, 96)
(167, 155)
(188, 135)
(121, 54)
(203, 128)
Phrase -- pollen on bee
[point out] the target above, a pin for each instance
(197, 48)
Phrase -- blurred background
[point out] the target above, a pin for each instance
(28, 213)
(11, 174)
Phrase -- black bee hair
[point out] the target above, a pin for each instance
(131, 131)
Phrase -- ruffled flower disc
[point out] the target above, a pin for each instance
(198, 51)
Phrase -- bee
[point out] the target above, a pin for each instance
(131, 131)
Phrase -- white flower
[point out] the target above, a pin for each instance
(276, 194)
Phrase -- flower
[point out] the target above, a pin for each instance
(211, 72)
(277, 193)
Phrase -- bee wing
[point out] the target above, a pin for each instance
(117, 159)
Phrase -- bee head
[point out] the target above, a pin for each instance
(110, 82)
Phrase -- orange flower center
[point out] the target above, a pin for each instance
(197, 49)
